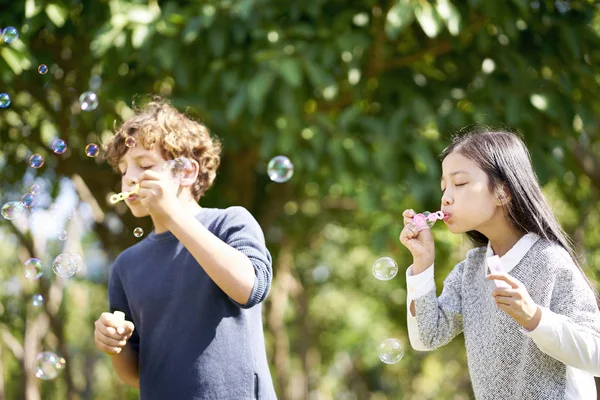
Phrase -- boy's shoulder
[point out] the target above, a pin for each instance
(234, 215)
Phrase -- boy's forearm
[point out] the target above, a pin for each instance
(127, 367)
(230, 269)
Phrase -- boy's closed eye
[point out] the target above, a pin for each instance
(141, 166)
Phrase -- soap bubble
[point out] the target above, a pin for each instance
(43, 69)
(130, 141)
(88, 101)
(37, 300)
(385, 268)
(4, 100)
(10, 34)
(28, 200)
(92, 150)
(32, 269)
(12, 210)
(36, 161)
(35, 189)
(64, 265)
(390, 351)
(138, 232)
(72, 213)
(48, 365)
(178, 167)
(62, 235)
(280, 169)
(59, 146)
(79, 260)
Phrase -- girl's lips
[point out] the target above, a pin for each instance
(132, 197)
(447, 216)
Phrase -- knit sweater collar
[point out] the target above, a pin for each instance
(516, 253)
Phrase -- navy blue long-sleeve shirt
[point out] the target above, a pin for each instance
(193, 341)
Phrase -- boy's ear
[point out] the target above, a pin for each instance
(190, 173)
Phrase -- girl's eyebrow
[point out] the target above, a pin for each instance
(456, 172)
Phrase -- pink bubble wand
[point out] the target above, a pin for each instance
(426, 219)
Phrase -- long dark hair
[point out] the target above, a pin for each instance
(503, 156)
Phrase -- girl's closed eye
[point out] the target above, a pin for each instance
(458, 184)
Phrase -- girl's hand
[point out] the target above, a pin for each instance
(516, 302)
(419, 243)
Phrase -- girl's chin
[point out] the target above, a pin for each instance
(452, 227)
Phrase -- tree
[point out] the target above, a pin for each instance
(361, 96)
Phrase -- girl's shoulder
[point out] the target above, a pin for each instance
(476, 255)
(548, 253)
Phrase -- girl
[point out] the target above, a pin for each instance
(531, 332)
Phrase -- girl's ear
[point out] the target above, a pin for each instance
(503, 196)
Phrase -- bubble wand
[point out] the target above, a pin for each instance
(427, 219)
(115, 198)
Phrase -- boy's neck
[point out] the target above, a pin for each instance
(189, 207)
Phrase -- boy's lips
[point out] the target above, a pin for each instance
(132, 197)
(447, 216)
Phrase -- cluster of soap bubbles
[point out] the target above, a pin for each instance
(64, 265)
(48, 365)
(390, 351)
(7, 35)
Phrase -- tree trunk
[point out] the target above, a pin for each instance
(276, 318)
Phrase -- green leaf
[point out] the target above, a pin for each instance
(142, 14)
(32, 9)
(317, 76)
(57, 14)
(258, 88)
(291, 72)
(428, 18)
(217, 41)
(450, 15)
(139, 35)
(236, 105)
(400, 16)
(191, 30)
(15, 60)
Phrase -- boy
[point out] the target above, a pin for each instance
(191, 291)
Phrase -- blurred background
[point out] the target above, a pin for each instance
(360, 95)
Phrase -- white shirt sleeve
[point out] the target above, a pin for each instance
(417, 286)
(560, 338)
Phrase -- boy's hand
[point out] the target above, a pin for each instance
(516, 301)
(158, 194)
(112, 333)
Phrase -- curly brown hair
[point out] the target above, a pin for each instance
(176, 134)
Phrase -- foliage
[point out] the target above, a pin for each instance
(362, 96)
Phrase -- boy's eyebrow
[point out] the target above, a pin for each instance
(137, 157)
(456, 172)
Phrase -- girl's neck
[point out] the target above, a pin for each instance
(502, 235)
